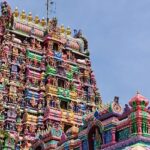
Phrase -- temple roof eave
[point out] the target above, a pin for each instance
(128, 142)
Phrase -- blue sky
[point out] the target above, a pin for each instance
(119, 39)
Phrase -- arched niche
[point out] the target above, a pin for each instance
(39, 146)
(95, 135)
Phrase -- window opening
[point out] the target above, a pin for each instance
(55, 47)
(64, 105)
(61, 83)
(66, 127)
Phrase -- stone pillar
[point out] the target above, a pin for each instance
(148, 124)
(81, 146)
(103, 141)
(113, 131)
(139, 126)
(130, 127)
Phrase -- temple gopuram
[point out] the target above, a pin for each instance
(48, 94)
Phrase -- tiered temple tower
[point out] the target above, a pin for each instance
(48, 94)
(46, 82)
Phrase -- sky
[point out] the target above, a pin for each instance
(118, 32)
